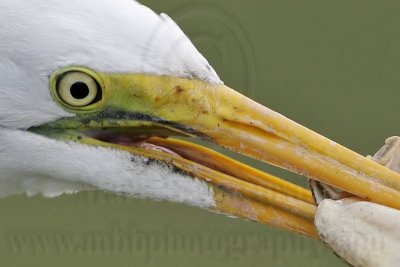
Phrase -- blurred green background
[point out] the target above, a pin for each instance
(332, 66)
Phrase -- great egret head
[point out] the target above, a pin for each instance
(91, 92)
(110, 36)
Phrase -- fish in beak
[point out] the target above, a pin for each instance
(157, 116)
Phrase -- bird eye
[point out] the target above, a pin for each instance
(78, 89)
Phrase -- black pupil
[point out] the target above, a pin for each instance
(79, 90)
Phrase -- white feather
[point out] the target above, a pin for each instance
(32, 161)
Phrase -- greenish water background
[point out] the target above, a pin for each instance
(331, 65)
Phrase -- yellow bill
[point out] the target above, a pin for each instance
(138, 113)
